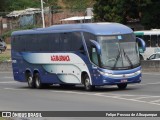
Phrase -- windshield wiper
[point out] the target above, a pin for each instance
(117, 58)
(128, 58)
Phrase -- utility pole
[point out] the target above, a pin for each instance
(42, 14)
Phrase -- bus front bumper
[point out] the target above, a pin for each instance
(107, 79)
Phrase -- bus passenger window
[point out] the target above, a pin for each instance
(147, 40)
(158, 41)
(153, 40)
(65, 42)
(76, 42)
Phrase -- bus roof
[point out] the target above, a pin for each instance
(148, 32)
(94, 28)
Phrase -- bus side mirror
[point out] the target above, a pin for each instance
(141, 45)
(97, 46)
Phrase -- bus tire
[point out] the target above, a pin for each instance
(87, 84)
(38, 83)
(122, 86)
(30, 80)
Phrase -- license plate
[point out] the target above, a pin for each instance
(123, 81)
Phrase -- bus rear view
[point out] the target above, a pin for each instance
(91, 54)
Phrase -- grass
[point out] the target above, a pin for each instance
(5, 56)
(1, 118)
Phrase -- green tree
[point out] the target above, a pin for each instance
(78, 5)
(151, 14)
(147, 11)
(115, 10)
(3, 5)
(10, 5)
(21, 4)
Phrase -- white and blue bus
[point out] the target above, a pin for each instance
(152, 40)
(91, 54)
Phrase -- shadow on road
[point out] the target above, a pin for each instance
(80, 88)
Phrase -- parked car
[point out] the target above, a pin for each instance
(154, 56)
(141, 57)
(2, 45)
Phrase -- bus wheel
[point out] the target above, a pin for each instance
(122, 86)
(87, 84)
(30, 81)
(38, 83)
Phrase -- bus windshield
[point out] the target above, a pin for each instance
(119, 51)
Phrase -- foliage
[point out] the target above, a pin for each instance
(5, 57)
(2, 5)
(147, 11)
(74, 5)
(8, 33)
(78, 5)
(124, 10)
(10, 5)
(115, 10)
(151, 15)
(21, 4)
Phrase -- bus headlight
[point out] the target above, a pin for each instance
(104, 73)
(138, 72)
(120, 75)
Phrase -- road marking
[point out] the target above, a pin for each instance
(134, 100)
(155, 101)
(6, 77)
(147, 97)
(115, 96)
(14, 89)
(101, 95)
(150, 73)
(71, 92)
(8, 82)
(145, 84)
(5, 72)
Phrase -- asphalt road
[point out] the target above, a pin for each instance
(16, 96)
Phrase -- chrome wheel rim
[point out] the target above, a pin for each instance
(30, 81)
(87, 83)
(37, 82)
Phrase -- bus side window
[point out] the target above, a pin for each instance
(147, 40)
(55, 42)
(21, 43)
(44, 42)
(65, 42)
(14, 42)
(76, 42)
(154, 40)
(158, 41)
(94, 56)
(31, 43)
